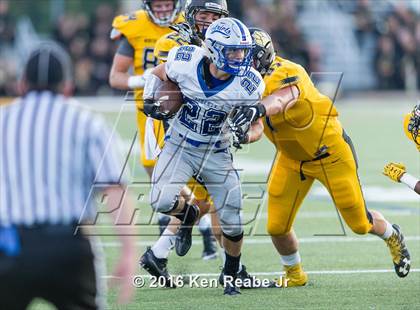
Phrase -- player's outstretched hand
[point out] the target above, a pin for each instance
(247, 114)
(152, 109)
(394, 171)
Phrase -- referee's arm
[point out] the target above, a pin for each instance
(104, 154)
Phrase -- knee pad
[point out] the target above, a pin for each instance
(163, 203)
(236, 238)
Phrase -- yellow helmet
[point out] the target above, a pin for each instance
(412, 125)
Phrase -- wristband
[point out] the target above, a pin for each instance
(261, 110)
(136, 81)
(409, 180)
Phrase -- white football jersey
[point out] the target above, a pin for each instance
(203, 116)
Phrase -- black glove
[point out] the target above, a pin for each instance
(240, 134)
(187, 33)
(152, 109)
(247, 114)
(241, 137)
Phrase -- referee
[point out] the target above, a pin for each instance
(52, 153)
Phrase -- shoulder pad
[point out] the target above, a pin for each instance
(165, 44)
(127, 23)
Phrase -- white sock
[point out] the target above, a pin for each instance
(223, 256)
(388, 231)
(204, 223)
(164, 245)
(290, 260)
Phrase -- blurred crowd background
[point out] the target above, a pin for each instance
(374, 42)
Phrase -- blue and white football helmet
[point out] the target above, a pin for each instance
(230, 46)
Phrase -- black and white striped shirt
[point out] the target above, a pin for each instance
(52, 152)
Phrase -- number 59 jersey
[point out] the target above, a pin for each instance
(202, 118)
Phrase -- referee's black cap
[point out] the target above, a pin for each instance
(47, 66)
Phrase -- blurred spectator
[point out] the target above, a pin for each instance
(391, 31)
(7, 34)
(397, 59)
(7, 24)
(87, 40)
(279, 19)
(365, 29)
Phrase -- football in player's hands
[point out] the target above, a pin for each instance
(169, 98)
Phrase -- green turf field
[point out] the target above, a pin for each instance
(345, 272)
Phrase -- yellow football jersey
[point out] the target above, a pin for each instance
(299, 131)
(166, 43)
(142, 34)
(408, 133)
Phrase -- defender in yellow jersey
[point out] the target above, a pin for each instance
(138, 33)
(311, 145)
(397, 171)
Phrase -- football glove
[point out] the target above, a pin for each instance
(394, 171)
(247, 114)
(240, 134)
(152, 109)
(187, 33)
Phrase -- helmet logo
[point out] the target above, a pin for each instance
(261, 39)
(222, 29)
(212, 5)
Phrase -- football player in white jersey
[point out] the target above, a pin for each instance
(213, 81)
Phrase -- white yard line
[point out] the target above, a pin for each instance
(278, 273)
(323, 239)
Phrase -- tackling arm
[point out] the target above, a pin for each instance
(256, 131)
(280, 100)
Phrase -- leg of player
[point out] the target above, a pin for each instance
(242, 273)
(209, 243)
(394, 239)
(287, 246)
(204, 202)
(343, 183)
(155, 259)
(170, 175)
(225, 190)
(286, 192)
(183, 236)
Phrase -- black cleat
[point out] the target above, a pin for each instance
(156, 267)
(231, 290)
(183, 239)
(399, 252)
(248, 281)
